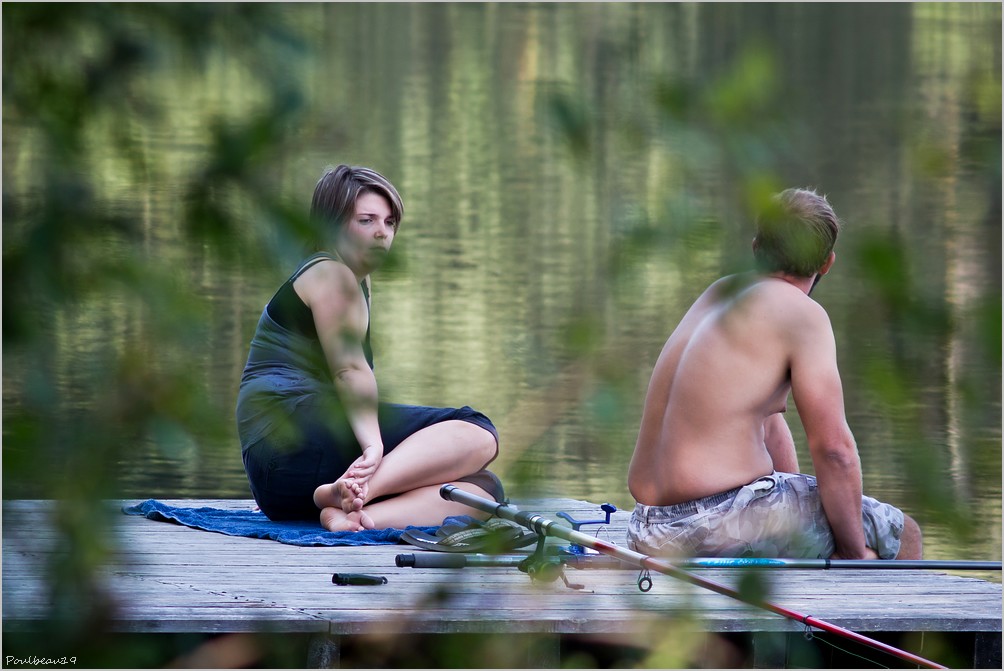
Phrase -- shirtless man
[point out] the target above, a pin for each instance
(714, 471)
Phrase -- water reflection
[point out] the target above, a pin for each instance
(573, 175)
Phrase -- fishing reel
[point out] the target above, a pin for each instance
(543, 566)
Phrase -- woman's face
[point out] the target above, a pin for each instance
(365, 239)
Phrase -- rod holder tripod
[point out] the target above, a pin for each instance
(575, 548)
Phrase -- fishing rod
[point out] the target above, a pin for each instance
(540, 566)
(827, 564)
(578, 561)
(546, 527)
(462, 560)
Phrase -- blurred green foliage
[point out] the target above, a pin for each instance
(79, 77)
(75, 77)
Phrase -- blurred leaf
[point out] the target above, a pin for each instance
(746, 94)
(574, 121)
(75, 77)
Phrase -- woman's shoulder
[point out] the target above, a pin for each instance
(325, 262)
(315, 259)
(324, 273)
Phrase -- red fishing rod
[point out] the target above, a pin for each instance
(546, 527)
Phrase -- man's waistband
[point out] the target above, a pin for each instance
(661, 513)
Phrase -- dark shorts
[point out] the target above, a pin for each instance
(316, 446)
(779, 515)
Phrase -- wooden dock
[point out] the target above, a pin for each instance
(170, 579)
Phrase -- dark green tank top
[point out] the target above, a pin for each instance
(288, 310)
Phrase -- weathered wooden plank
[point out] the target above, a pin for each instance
(169, 578)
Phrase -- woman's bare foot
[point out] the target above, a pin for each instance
(344, 493)
(334, 519)
(364, 520)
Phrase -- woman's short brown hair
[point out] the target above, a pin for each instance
(338, 189)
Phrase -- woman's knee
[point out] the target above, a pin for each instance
(483, 443)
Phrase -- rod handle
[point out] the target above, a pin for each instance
(358, 579)
(431, 560)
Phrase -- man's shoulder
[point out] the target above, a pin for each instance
(757, 287)
(785, 307)
(732, 284)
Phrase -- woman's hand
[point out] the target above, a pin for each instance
(357, 477)
(363, 468)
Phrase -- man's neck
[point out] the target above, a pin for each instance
(803, 284)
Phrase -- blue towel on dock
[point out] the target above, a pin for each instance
(254, 524)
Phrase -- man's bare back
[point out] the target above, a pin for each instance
(713, 419)
(721, 377)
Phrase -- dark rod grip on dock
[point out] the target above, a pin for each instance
(432, 560)
(456, 560)
(358, 579)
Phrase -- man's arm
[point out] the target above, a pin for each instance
(780, 444)
(818, 396)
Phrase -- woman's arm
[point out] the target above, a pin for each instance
(334, 297)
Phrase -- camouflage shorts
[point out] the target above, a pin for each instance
(779, 515)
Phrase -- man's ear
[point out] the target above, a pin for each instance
(828, 263)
